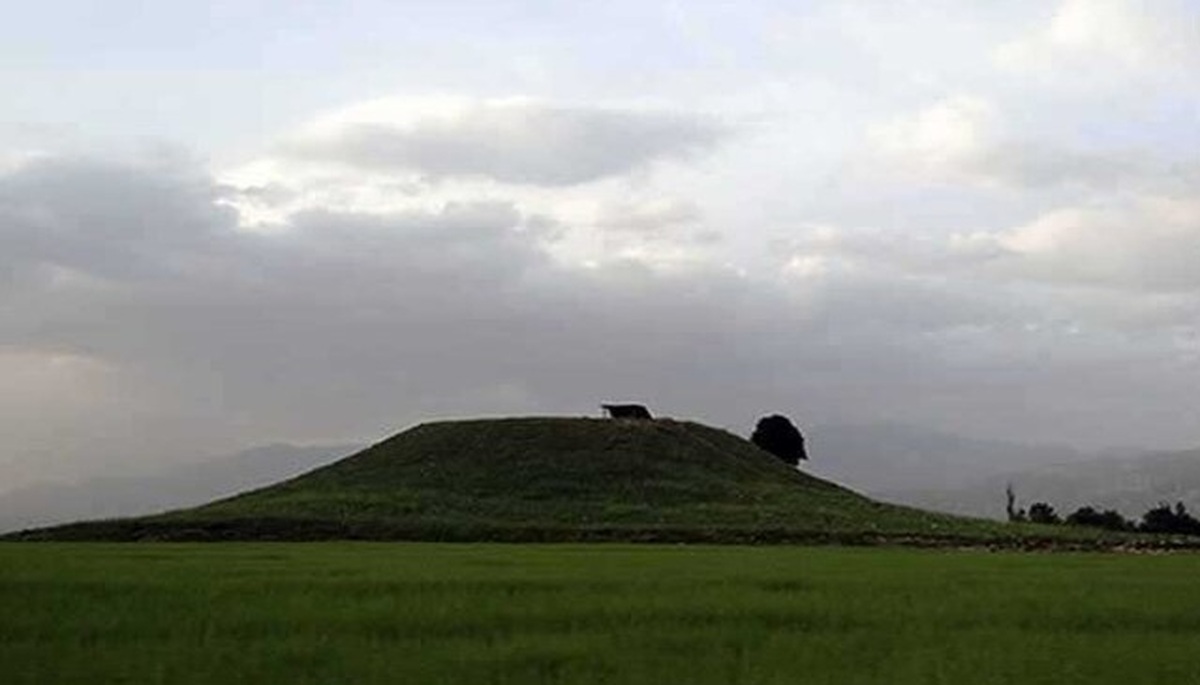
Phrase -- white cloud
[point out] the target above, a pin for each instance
(965, 140)
(651, 216)
(944, 141)
(1097, 41)
(1144, 243)
(1144, 246)
(593, 172)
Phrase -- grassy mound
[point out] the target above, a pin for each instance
(558, 479)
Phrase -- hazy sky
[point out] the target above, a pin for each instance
(226, 223)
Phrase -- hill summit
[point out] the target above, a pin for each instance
(548, 479)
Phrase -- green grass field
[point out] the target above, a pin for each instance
(464, 614)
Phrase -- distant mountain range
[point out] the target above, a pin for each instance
(956, 474)
(887, 458)
(184, 486)
(1131, 486)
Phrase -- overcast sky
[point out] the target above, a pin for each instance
(231, 222)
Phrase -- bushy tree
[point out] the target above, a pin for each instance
(1164, 519)
(779, 436)
(1109, 519)
(1041, 512)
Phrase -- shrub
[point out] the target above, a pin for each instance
(1109, 519)
(1041, 512)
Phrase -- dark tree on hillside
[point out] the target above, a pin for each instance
(1010, 505)
(1109, 519)
(1164, 519)
(1041, 512)
(779, 436)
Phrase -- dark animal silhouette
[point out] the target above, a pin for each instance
(626, 411)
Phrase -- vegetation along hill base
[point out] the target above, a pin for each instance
(573, 479)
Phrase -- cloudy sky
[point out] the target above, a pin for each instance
(231, 222)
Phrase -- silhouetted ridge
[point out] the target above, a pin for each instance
(551, 479)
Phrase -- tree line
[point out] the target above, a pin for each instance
(1161, 519)
(779, 436)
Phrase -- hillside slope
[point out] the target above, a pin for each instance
(554, 479)
(171, 487)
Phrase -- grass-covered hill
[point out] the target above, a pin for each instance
(558, 479)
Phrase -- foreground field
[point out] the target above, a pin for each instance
(463, 614)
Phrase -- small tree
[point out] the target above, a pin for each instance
(1010, 505)
(779, 436)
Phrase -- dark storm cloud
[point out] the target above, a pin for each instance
(522, 143)
(110, 221)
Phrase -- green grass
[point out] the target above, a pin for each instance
(562, 479)
(462, 614)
